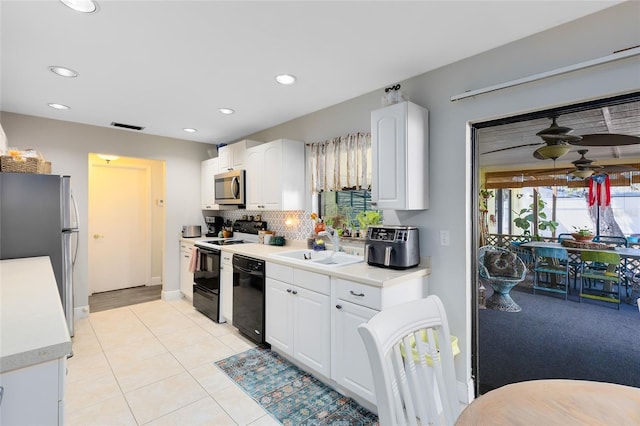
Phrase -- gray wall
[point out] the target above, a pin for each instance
(67, 145)
(450, 173)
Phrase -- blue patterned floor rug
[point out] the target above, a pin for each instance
(291, 395)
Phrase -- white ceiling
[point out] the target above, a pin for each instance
(167, 65)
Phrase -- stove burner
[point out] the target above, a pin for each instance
(225, 242)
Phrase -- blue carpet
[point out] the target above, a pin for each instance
(291, 395)
(556, 338)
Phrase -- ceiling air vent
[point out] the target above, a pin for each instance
(126, 126)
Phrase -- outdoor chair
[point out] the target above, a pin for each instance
(574, 265)
(502, 270)
(554, 264)
(605, 282)
(413, 371)
(618, 241)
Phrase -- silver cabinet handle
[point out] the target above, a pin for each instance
(356, 294)
(338, 306)
(294, 292)
(288, 290)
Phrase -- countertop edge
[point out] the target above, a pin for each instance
(33, 357)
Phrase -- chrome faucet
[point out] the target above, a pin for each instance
(333, 236)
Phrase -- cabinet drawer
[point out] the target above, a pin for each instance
(360, 294)
(312, 281)
(280, 272)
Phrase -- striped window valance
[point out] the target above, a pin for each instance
(340, 163)
(535, 178)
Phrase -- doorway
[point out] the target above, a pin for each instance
(551, 337)
(125, 224)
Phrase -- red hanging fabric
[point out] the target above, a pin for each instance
(599, 190)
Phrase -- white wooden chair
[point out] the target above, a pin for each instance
(418, 383)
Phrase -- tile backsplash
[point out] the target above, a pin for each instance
(292, 224)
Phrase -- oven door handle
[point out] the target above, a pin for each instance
(207, 250)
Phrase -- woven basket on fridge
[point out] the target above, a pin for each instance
(24, 165)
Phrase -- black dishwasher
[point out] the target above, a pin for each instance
(248, 296)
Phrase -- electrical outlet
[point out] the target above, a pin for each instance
(444, 238)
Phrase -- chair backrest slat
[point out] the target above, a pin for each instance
(409, 349)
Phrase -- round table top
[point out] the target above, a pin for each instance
(555, 402)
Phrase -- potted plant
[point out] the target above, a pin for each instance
(525, 219)
(368, 218)
(582, 233)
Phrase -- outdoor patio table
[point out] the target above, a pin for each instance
(555, 402)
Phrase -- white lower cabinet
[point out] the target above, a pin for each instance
(354, 304)
(350, 362)
(34, 395)
(226, 286)
(297, 319)
(186, 277)
(313, 318)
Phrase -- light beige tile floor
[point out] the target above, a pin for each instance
(153, 363)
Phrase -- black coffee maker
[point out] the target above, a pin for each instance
(214, 225)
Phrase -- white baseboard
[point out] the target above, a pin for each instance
(156, 280)
(80, 312)
(171, 295)
(466, 392)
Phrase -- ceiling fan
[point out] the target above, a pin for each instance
(557, 141)
(585, 167)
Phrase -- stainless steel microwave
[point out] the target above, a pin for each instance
(230, 187)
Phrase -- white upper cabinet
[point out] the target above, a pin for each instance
(208, 169)
(275, 176)
(400, 157)
(232, 157)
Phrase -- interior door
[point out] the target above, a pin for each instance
(119, 224)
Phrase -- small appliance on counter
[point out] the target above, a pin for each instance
(395, 247)
(191, 231)
(248, 229)
(214, 225)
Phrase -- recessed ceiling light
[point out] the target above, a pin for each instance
(84, 6)
(190, 130)
(62, 71)
(286, 79)
(59, 106)
(226, 111)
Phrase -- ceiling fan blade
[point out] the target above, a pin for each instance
(572, 139)
(554, 172)
(512, 147)
(604, 139)
(618, 168)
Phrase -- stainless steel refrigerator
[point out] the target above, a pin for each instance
(38, 217)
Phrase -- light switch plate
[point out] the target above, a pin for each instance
(444, 238)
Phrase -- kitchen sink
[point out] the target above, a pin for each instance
(321, 258)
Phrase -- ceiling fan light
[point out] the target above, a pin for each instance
(582, 173)
(552, 151)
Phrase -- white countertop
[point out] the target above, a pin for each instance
(33, 328)
(358, 272)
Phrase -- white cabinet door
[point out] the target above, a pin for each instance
(272, 170)
(275, 176)
(278, 315)
(400, 157)
(255, 177)
(350, 362)
(312, 329)
(186, 277)
(34, 395)
(208, 168)
(226, 286)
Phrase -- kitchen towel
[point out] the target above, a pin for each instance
(194, 263)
